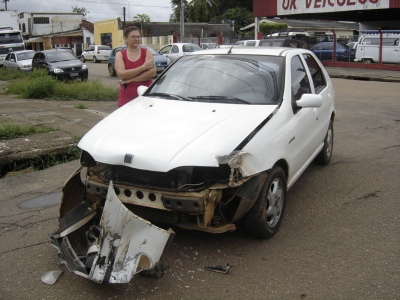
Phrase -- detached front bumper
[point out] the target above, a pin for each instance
(113, 249)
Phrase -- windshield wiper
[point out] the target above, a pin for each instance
(225, 99)
(169, 96)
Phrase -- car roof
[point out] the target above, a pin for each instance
(22, 51)
(54, 50)
(273, 51)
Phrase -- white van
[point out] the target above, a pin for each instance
(367, 50)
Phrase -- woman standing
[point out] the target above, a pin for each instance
(134, 66)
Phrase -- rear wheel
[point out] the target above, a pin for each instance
(324, 157)
(265, 217)
(83, 59)
(368, 60)
(111, 70)
(95, 60)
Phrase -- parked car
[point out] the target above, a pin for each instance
(248, 43)
(60, 63)
(214, 143)
(176, 50)
(160, 60)
(96, 53)
(19, 60)
(324, 51)
(208, 45)
(291, 43)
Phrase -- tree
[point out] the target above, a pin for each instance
(271, 27)
(141, 18)
(80, 10)
(237, 17)
(195, 10)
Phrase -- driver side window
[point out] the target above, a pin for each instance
(300, 82)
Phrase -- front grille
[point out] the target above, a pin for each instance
(74, 69)
(125, 175)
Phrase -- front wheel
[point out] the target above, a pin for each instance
(95, 60)
(265, 217)
(111, 70)
(83, 59)
(324, 157)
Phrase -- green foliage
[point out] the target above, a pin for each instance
(141, 18)
(81, 10)
(240, 16)
(271, 27)
(10, 131)
(39, 85)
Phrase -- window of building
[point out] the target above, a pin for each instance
(41, 20)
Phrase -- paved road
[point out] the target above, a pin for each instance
(339, 238)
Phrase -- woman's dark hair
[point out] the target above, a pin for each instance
(129, 29)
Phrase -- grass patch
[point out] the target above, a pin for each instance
(80, 106)
(11, 131)
(41, 163)
(39, 85)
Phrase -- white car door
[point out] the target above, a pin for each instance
(301, 125)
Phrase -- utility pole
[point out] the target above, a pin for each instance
(182, 29)
(123, 13)
(5, 2)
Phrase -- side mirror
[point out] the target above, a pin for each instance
(141, 89)
(309, 100)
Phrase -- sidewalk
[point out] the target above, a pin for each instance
(364, 74)
(72, 123)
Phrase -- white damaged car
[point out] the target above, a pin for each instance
(212, 145)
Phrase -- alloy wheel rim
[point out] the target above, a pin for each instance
(275, 201)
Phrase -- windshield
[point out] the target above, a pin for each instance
(60, 56)
(25, 55)
(9, 38)
(238, 79)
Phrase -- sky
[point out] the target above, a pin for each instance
(157, 10)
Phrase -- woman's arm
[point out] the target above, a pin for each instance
(148, 67)
(122, 72)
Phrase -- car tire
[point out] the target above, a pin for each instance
(324, 157)
(83, 59)
(111, 70)
(95, 60)
(368, 60)
(264, 218)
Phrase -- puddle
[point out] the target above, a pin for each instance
(42, 201)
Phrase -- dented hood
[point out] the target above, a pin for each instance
(159, 135)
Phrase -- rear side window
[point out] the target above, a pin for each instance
(317, 75)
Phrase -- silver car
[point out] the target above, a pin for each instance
(19, 60)
(176, 50)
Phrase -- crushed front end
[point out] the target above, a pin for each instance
(105, 232)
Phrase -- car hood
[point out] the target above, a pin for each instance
(66, 64)
(160, 135)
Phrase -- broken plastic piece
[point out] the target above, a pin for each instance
(219, 268)
(51, 277)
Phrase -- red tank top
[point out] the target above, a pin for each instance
(128, 92)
